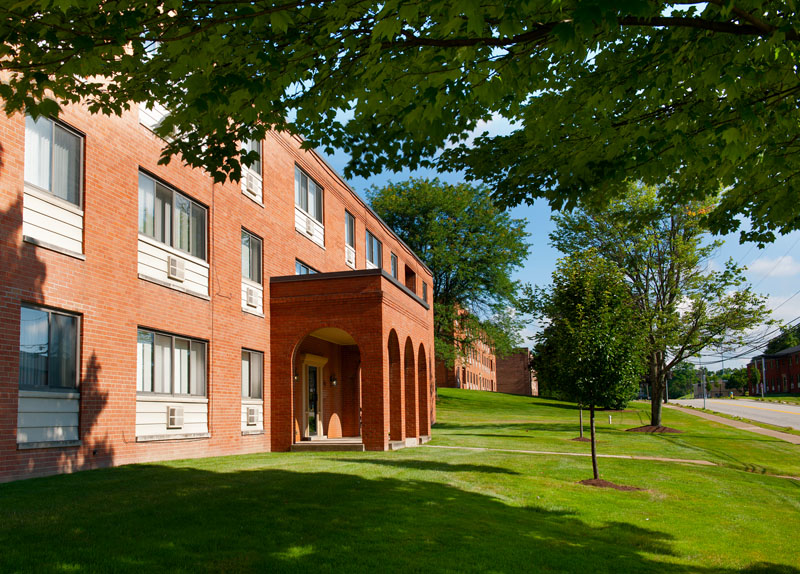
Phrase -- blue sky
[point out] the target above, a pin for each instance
(773, 271)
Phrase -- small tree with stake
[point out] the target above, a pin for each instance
(589, 349)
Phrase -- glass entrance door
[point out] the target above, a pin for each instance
(312, 407)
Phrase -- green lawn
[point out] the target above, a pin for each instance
(426, 509)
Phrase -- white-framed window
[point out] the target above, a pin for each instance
(54, 159)
(349, 229)
(170, 217)
(394, 265)
(252, 374)
(170, 365)
(373, 251)
(307, 194)
(301, 268)
(49, 348)
(253, 146)
(251, 257)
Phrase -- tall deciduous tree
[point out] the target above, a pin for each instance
(592, 352)
(685, 306)
(472, 248)
(600, 90)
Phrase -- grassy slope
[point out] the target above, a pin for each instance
(506, 421)
(416, 510)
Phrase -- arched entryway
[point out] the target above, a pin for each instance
(410, 375)
(327, 386)
(396, 424)
(423, 393)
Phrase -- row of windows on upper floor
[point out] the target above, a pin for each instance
(53, 164)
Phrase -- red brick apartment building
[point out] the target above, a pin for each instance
(151, 314)
(515, 375)
(477, 371)
(782, 372)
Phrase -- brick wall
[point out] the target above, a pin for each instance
(514, 375)
(105, 290)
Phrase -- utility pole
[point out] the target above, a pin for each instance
(763, 376)
(703, 378)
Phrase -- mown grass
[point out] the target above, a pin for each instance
(416, 510)
(494, 420)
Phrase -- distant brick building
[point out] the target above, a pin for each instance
(477, 371)
(515, 375)
(150, 313)
(780, 372)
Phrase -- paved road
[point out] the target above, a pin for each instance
(772, 413)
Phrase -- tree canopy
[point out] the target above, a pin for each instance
(587, 348)
(684, 305)
(789, 337)
(599, 91)
(472, 248)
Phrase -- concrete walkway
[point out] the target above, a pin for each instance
(624, 456)
(792, 438)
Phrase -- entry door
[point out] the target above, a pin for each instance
(313, 403)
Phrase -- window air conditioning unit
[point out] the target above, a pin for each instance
(253, 414)
(309, 226)
(350, 257)
(252, 297)
(250, 184)
(174, 417)
(175, 269)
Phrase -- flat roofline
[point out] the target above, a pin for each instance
(366, 205)
(349, 275)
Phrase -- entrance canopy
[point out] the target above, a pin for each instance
(331, 336)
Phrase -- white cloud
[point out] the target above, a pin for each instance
(785, 266)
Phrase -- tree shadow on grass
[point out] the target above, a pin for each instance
(165, 518)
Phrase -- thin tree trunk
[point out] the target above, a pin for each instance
(580, 416)
(594, 442)
(657, 390)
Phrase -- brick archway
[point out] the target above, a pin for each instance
(410, 380)
(396, 411)
(423, 391)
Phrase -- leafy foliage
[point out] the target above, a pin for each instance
(737, 379)
(789, 337)
(590, 349)
(682, 379)
(472, 248)
(684, 306)
(600, 91)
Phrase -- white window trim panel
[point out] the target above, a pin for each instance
(317, 235)
(151, 418)
(259, 309)
(154, 267)
(370, 265)
(258, 197)
(51, 221)
(258, 428)
(56, 426)
(351, 251)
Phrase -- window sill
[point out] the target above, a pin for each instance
(52, 199)
(310, 238)
(31, 393)
(172, 251)
(254, 199)
(183, 436)
(162, 398)
(253, 312)
(253, 432)
(174, 287)
(51, 247)
(48, 444)
(252, 402)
